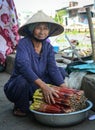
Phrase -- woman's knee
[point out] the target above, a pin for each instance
(15, 88)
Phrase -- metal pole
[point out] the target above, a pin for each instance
(91, 29)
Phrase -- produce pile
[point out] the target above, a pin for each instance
(81, 52)
(85, 52)
(69, 100)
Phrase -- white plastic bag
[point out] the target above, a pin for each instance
(74, 80)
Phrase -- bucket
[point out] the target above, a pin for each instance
(56, 48)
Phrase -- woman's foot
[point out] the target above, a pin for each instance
(18, 112)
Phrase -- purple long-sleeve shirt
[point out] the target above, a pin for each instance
(32, 66)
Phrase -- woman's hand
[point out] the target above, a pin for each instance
(49, 94)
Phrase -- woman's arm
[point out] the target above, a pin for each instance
(23, 61)
(53, 69)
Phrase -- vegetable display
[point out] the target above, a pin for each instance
(69, 100)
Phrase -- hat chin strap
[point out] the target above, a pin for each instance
(38, 40)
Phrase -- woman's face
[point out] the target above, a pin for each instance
(41, 31)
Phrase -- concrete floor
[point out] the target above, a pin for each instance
(10, 122)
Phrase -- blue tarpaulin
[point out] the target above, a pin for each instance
(89, 67)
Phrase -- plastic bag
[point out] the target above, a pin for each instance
(75, 79)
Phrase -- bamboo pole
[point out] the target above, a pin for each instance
(91, 29)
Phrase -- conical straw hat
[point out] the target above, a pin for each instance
(55, 28)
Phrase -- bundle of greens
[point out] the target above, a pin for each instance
(69, 100)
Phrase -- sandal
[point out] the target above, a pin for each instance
(18, 112)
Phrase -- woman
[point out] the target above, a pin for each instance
(35, 66)
(8, 30)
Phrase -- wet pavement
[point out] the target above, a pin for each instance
(10, 122)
